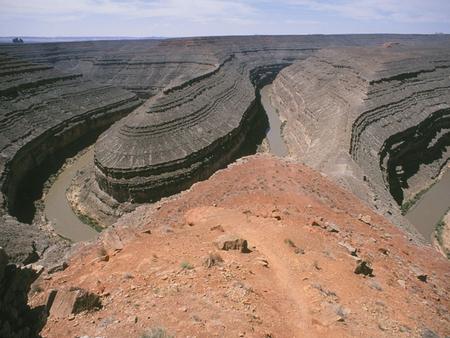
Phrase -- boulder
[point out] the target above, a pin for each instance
(231, 242)
(363, 268)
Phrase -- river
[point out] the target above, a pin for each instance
(57, 208)
(431, 207)
(276, 142)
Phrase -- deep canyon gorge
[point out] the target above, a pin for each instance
(107, 143)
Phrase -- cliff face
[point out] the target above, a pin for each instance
(16, 318)
(375, 119)
(180, 264)
(44, 116)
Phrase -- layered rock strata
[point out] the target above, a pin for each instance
(375, 119)
(47, 90)
(187, 132)
(45, 115)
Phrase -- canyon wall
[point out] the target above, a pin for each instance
(375, 119)
(45, 115)
(57, 97)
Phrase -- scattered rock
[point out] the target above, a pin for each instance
(420, 275)
(212, 259)
(364, 268)
(276, 214)
(331, 227)
(383, 251)
(373, 284)
(351, 250)
(57, 267)
(402, 283)
(133, 319)
(263, 262)
(318, 222)
(217, 228)
(365, 219)
(232, 242)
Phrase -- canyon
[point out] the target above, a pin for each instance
(117, 134)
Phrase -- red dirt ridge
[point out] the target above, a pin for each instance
(312, 246)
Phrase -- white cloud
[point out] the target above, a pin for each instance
(396, 10)
(194, 9)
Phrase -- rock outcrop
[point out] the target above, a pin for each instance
(377, 120)
(17, 320)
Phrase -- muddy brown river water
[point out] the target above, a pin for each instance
(276, 142)
(431, 207)
(57, 208)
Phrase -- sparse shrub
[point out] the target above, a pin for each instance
(290, 243)
(186, 266)
(297, 250)
(157, 332)
(36, 288)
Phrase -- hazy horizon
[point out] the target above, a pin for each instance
(178, 18)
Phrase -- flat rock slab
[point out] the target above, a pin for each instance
(73, 301)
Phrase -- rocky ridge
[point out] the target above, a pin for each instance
(319, 263)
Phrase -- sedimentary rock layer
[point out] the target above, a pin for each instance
(187, 132)
(44, 115)
(376, 119)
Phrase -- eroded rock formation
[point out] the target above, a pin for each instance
(45, 115)
(375, 119)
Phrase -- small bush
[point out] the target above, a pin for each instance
(439, 231)
(290, 243)
(157, 333)
(186, 266)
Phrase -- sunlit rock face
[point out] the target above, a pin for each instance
(376, 119)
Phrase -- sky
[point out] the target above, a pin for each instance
(173, 18)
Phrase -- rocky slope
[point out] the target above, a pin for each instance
(45, 115)
(376, 119)
(319, 264)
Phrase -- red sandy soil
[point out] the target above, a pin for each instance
(307, 289)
